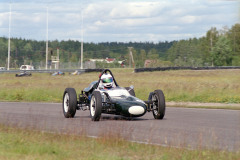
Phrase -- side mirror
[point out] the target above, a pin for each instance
(132, 87)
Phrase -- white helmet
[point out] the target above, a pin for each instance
(107, 80)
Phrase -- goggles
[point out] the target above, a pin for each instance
(107, 80)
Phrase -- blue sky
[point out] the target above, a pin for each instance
(117, 20)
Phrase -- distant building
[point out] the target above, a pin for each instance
(149, 63)
(110, 60)
(107, 60)
(54, 62)
(96, 60)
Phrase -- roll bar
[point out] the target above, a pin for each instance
(103, 72)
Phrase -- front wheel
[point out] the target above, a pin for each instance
(158, 107)
(69, 104)
(96, 106)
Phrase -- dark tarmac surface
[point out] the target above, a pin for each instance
(181, 127)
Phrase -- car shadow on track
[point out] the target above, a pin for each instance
(120, 118)
(114, 118)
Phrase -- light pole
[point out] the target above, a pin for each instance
(131, 58)
(47, 41)
(9, 48)
(82, 43)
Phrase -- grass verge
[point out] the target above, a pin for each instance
(217, 86)
(26, 144)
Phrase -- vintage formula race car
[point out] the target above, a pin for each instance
(58, 73)
(117, 100)
(23, 74)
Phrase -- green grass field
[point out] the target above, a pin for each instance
(222, 86)
(24, 144)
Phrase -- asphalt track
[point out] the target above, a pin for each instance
(181, 127)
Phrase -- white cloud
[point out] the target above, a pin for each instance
(136, 9)
(119, 20)
(188, 19)
(4, 19)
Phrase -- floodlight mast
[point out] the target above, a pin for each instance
(9, 41)
(47, 41)
(82, 43)
(131, 60)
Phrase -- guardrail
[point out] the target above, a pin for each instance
(53, 70)
(183, 68)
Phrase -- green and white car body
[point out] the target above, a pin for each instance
(124, 103)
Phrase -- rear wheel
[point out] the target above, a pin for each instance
(96, 106)
(158, 107)
(69, 102)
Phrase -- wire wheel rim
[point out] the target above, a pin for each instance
(155, 104)
(66, 102)
(93, 106)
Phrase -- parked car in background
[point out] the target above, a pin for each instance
(2, 68)
(26, 67)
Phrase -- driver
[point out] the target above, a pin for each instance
(107, 81)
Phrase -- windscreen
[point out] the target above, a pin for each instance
(118, 92)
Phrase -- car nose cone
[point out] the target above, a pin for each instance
(136, 110)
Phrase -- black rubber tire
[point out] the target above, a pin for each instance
(96, 106)
(16, 75)
(159, 111)
(131, 91)
(70, 102)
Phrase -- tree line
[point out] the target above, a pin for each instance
(216, 48)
